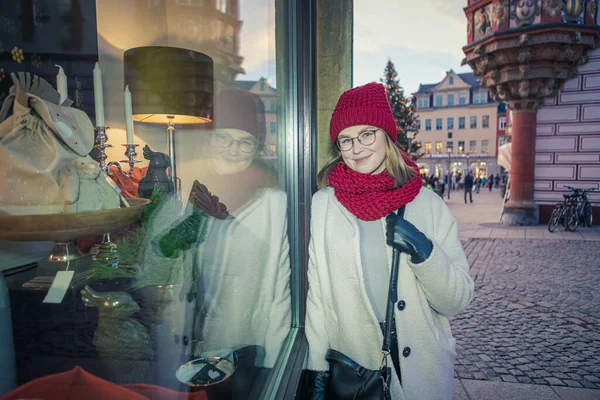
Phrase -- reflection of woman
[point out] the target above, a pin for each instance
(242, 265)
(243, 293)
(352, 220)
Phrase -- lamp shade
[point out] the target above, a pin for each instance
(169, 83)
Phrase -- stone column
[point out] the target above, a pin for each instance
(333, 65)
(520, 209)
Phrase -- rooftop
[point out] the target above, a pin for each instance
(468, 77)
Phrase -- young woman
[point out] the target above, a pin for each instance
(353, 217)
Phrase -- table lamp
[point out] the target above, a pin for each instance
(171, 86)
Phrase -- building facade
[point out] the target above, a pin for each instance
(268, 95)
(567, 149)
(458, 126)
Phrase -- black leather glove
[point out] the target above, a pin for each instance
(405, 237)
(320, 380)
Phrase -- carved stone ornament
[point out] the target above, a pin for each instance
(572, 11)
(499, 13)
(483, 26)
(525, 11)
(552, 7)
(469, 29)
(591, 8)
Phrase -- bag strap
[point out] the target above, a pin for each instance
(335, 356)
(392, 297)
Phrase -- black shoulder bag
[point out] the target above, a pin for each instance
(349, 380)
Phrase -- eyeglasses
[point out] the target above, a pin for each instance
(224, 141)
(366, 138)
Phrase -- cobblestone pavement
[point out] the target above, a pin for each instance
(535, 317)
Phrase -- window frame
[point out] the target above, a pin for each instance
(462, 99)
(439, 103)
(485, 121)
(439, 147)
(450, 122)
(450, 100)
(472, 149)
(462, 122)
(439, 124)
(485, 146)
(427, 124)
(473, 122)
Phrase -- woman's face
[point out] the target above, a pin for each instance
(231, 150)
(363, 158)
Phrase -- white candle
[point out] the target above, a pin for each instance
(128, 116)
(98, 96)
(61, 84)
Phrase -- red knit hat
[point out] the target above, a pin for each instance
(363, 105)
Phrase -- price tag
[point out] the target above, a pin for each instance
(59, 287)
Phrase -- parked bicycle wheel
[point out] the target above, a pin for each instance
(572, 218)
(554, 219)
(587, 214)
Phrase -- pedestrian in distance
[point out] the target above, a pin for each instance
(469, 187)
(491, 182)
(354, 229)
(497, 181)
(477, 184)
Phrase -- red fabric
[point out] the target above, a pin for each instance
(153, 392)
(129, 186)
(73, 384)
(79, 384)
(371, 197)
(363, 105)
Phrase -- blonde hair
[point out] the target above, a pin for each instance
(394, 165)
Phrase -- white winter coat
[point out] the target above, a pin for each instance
(340, 316)
(250, 301)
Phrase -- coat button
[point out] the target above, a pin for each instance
(401, 305)
(406, 352)
(186, 341)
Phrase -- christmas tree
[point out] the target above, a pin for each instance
(403, 109)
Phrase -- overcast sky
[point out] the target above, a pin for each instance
(423, 38)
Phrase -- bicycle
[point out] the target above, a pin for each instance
(582, 210)
(559, 214)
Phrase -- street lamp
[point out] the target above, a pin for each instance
(449, 151)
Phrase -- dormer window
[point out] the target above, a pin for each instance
(452, 80)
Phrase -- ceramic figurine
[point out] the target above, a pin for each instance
(85, 188)
(156, 174)
(118, 335)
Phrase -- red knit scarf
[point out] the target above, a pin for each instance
(371, 197)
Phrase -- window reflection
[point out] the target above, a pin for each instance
(224, 296)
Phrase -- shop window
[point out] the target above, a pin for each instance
(193, 279)
(427, 147)
(461, 147)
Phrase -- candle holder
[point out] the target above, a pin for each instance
(102, 145)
